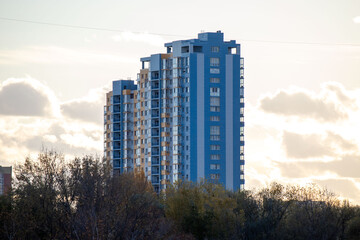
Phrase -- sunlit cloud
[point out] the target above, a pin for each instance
(356, 19)
(303, 104)
(305, 137)
(27, 97)
(25, 132)
(88, 108)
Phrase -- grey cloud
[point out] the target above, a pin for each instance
(307, 146)
(345, 166)
(304, 146)
(22, 99)
(301, 104)
(83, 110)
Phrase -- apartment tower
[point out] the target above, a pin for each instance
(5, 179)
(184, 117)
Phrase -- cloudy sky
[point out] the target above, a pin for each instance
(302, 77)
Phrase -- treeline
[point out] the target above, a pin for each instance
(78, 199)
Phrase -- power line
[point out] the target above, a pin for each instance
(301, 43)
(176, 35)
(85, 27)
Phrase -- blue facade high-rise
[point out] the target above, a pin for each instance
(184, 119)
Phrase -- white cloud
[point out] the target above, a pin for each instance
(148, 38)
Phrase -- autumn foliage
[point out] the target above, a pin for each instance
(79, 199)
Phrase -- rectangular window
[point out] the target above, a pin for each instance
(214, 62)
(214, 147)
(215, 92)
(214, 109)
(215, 118)
(215, 176)
(214, 166)
(214, 130)
(215, 49)
(214, 70)
(215, 80)
(215, 137)
(214, 101)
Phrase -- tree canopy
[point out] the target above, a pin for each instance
(79, 199)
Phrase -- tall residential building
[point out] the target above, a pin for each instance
(184, 117)
(5, 179)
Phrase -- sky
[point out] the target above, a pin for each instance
(302, 78)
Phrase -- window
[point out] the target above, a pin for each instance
(215, 176)
(214, 147)
(215, 137)
(214, 101)
(215, 92)
(215, 80)
(214, 70)
(215, 49)
(214, 130)
(215, 133)
(214, 109)
(214, 166)
(214, 62)
(197, 48)
(214, 118)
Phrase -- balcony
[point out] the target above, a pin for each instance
(155, 113)
(165, 134)
(116, 127)
(116, 154)
(165, 124)
(155, 171)
(155, 142)
(165, 115)
(165, 181)
(155, 123)
(165, 153)
(155, 132)
(155, 161)
(155, 104)
(116, 118)
(116, 145)
(165, 163)
(155, 85)
(155, 94)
